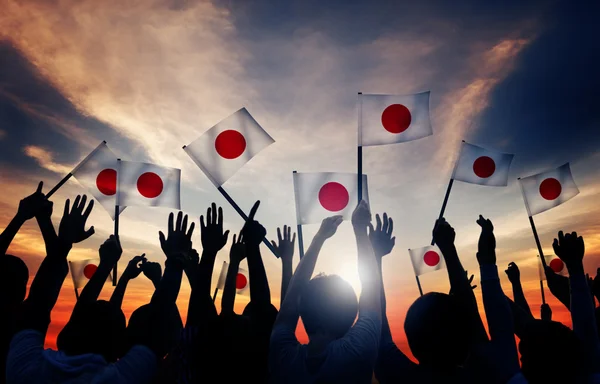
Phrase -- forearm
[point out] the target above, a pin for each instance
(168, 289)
(260, 293)
(368, 272)
(286, 276)
(386, 333)
(583, 316)
(203, 276)
(519, 297)
(9, 233)
(48, 232)
(92, 289)
(119, 293)
(228, 298)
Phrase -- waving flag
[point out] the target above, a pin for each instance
(98, 174)
(83, 270)
(557, 265)
(389, 119)
(222, 150)
(426, 259)
(477, 165)
(324, 194)
(242, 280)
(148, 185)
(548, 189)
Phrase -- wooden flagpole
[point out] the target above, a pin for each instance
(299, 226)
(359, 154)
(116, 231)
(74, 285)
(417, 278)
(444, 205)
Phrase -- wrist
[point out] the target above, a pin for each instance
(575, 268)
(19, 218)
(359, 228)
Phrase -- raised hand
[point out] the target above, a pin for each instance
(152, 270)
(134, 267)
(381, 236)
(178, 242)
(211, 233)
(238, 250)
(34, 205)
(72, 225)
(329, 226)
(487, 242)
(443, 234)
(284, 248)
(253, 231)
(471, 280)
(546, 312)
(569, 248)
(361, 217)
(513, 273)
(110, 251)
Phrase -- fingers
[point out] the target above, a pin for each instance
(89, 233)
(178, 222)
(88, 210)
(371, 229)
(220, 217)
(202, 225)
(184, 223)
(556, 247)
(39, 187)
(273, 243)
(82, 203)
(208, 216)
(191, 230)
(279, 238)
(76, 203)
(294, 239)
(253, 210)
(384, 228)
(170, 228)
(240, 237)
(213, 212)
(226, 235)
(378, 221)
(391, 226)
(161, 237)
(66, 211)
(561, 237)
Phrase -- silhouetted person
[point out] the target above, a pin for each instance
(337, 352)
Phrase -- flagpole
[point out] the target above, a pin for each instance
(299, 227)
(419, 285)
(444, 205)
(215, 294)
(359, 171)
(74, 285)
(542, 290)
(116, 231)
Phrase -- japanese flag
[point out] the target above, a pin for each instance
(389, 119)
(83, 270)
(557, 265)
(242, 280)
(477, 165)
(324, 194)
(222, 150)
(548, 189)
(98, 174)
(148, 185)
(426, 259)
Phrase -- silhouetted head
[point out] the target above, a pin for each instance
(437, 331)
(13, 283)
(98, 327)
(328, 305)
(141, 325)
(550, 353)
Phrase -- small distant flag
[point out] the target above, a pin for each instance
(426, 259)
(323, 194)
(556, 264)
(242, 280)
(548, 189)
(389, 119)
(144, 184)
(83, 270)
(477, 165)
(222, 150)
(98, 174)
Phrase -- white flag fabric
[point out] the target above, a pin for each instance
(389, 119)
(144, 184)
(548, 189)
(98, 174)
(324, 194)
(477, 165)
(83, 270)
(222, 150)
(426, 259)
(242, 280)
(557, 265)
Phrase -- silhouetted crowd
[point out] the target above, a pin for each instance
(349, 337)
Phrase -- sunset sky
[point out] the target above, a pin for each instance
(151, 76)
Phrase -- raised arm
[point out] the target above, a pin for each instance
(236, 255)
(288, 313)
(110, 253)
(514, 276)
(444, 235)
(213, 240)
(570, 248)
(254, 233)
(284, 247)
(133, 270)
(559, 286)
(368, 270)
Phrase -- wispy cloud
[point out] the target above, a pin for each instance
(45, 159)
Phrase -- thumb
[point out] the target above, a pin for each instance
(161, 238)
(89, 233)
(226, 235)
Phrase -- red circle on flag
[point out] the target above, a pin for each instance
(557, 265)
(241, 281)
(334, 196)
(484, 167)
(150, 185)
(230, 144)
(431, 258)
(550, 188)
(89, 270)
(396, 118)
(106, 182)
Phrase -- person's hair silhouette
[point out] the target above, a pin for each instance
(13, 284)
(328, 306)
(97, 327)
(437, 331)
